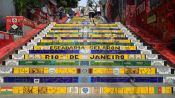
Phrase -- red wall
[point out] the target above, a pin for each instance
(159, 21)
(5, 39)
(156, 26)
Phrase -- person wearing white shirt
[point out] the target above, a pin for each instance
(91, 12)
(98, 10)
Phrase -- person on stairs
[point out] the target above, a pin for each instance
(61, 12)
(91, 13)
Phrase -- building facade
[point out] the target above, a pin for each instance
(7, 8)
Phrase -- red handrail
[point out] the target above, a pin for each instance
(9, 49)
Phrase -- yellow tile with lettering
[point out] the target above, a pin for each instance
(15, 90)
(61, 90)
(16, 70)
(51, 90)
(131, 90)
(72, 70)
(97, 70)
(125, 90)
(122, 70)
(168, 90)
(22, 70)
(116, 91)
(26, 70)
(35, 89)
(151, 90)
(61, 70)
(144, 90)
(21, 90)
(153, 71)
(46, 70)
(120, 91)
(137, 90)
(108, 90)
(109, 71)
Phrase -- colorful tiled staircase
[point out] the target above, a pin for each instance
(86, 58)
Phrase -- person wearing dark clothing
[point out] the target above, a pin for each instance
(71, 13)
(61, 12)
(82, 11)
(91, 13)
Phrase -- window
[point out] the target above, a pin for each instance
(154, 3)
(1, 36)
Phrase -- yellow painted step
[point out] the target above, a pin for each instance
(102, 71)
(111, 47)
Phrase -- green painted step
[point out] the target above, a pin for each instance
(123, 63)
(6, 92)
(92, 63)
(48, 62)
